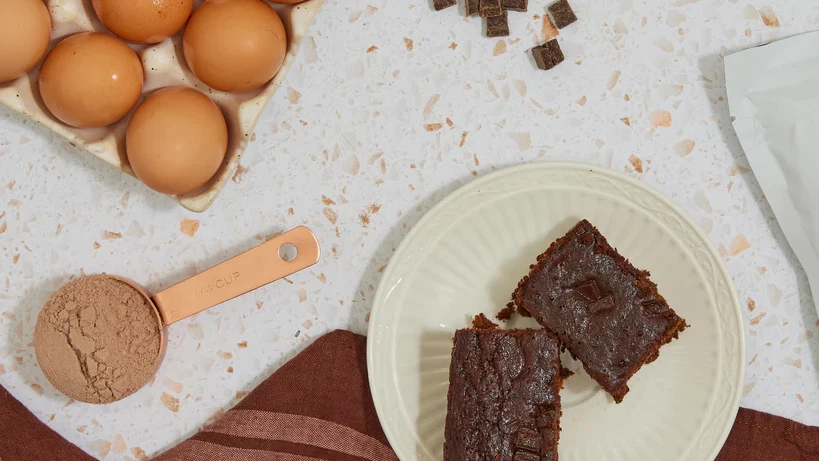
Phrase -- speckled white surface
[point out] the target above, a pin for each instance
(389, 107)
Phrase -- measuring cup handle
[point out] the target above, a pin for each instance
(246, 272)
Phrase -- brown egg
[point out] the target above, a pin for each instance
(91, 80)
(176, 140)
(235, 45)
(143, 21)
(25, 30)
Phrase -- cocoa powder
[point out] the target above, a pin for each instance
(98, 339)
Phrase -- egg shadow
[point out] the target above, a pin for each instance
(96, 24)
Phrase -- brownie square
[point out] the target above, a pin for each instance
(473, 7)
(607, 313)
(443, 4)
(504, 401)
(497, 26)
(515, 5)
(562, 13)
(548, 55)
(491, 8)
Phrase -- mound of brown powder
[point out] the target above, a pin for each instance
(97, 339)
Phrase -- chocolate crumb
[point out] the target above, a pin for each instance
(473, 7)
(506, 313)
(443, 4)
(497, 26)
(548, 55)
(562, 13)
(515, 5)
(482, 323)
(490, 8)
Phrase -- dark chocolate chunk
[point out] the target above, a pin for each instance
(588, 290)
(548, 55)
(654, 307)
(490, 8)
(562, 13)
(473, 7)
(498, 26)
(525, 456)
(601, 305)
(529, 440)
(515, 5)
(546, 418)
(443, 4)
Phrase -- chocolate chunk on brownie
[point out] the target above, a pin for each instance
(503, 402)
(515, 5)
(607, 313)
(443, 4)
(490, 8)
(562, 13)
(497, 26)
(548, 55)
(473, 7)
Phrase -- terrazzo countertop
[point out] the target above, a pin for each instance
(390, 107)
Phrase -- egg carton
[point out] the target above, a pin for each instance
(164, 65)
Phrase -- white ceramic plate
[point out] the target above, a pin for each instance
(467, 255)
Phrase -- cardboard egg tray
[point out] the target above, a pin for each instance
(164, 65)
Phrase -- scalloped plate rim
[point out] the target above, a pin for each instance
(385, 288)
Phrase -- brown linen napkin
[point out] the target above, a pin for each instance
(24, 437)
(318, 407)
(315, 407)
(762, 437)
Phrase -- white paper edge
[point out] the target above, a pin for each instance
(743, 71)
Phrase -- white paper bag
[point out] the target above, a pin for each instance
(773, 96)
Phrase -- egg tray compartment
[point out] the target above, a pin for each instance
(164, 65)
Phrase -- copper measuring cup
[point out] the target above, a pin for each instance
(243, 273)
